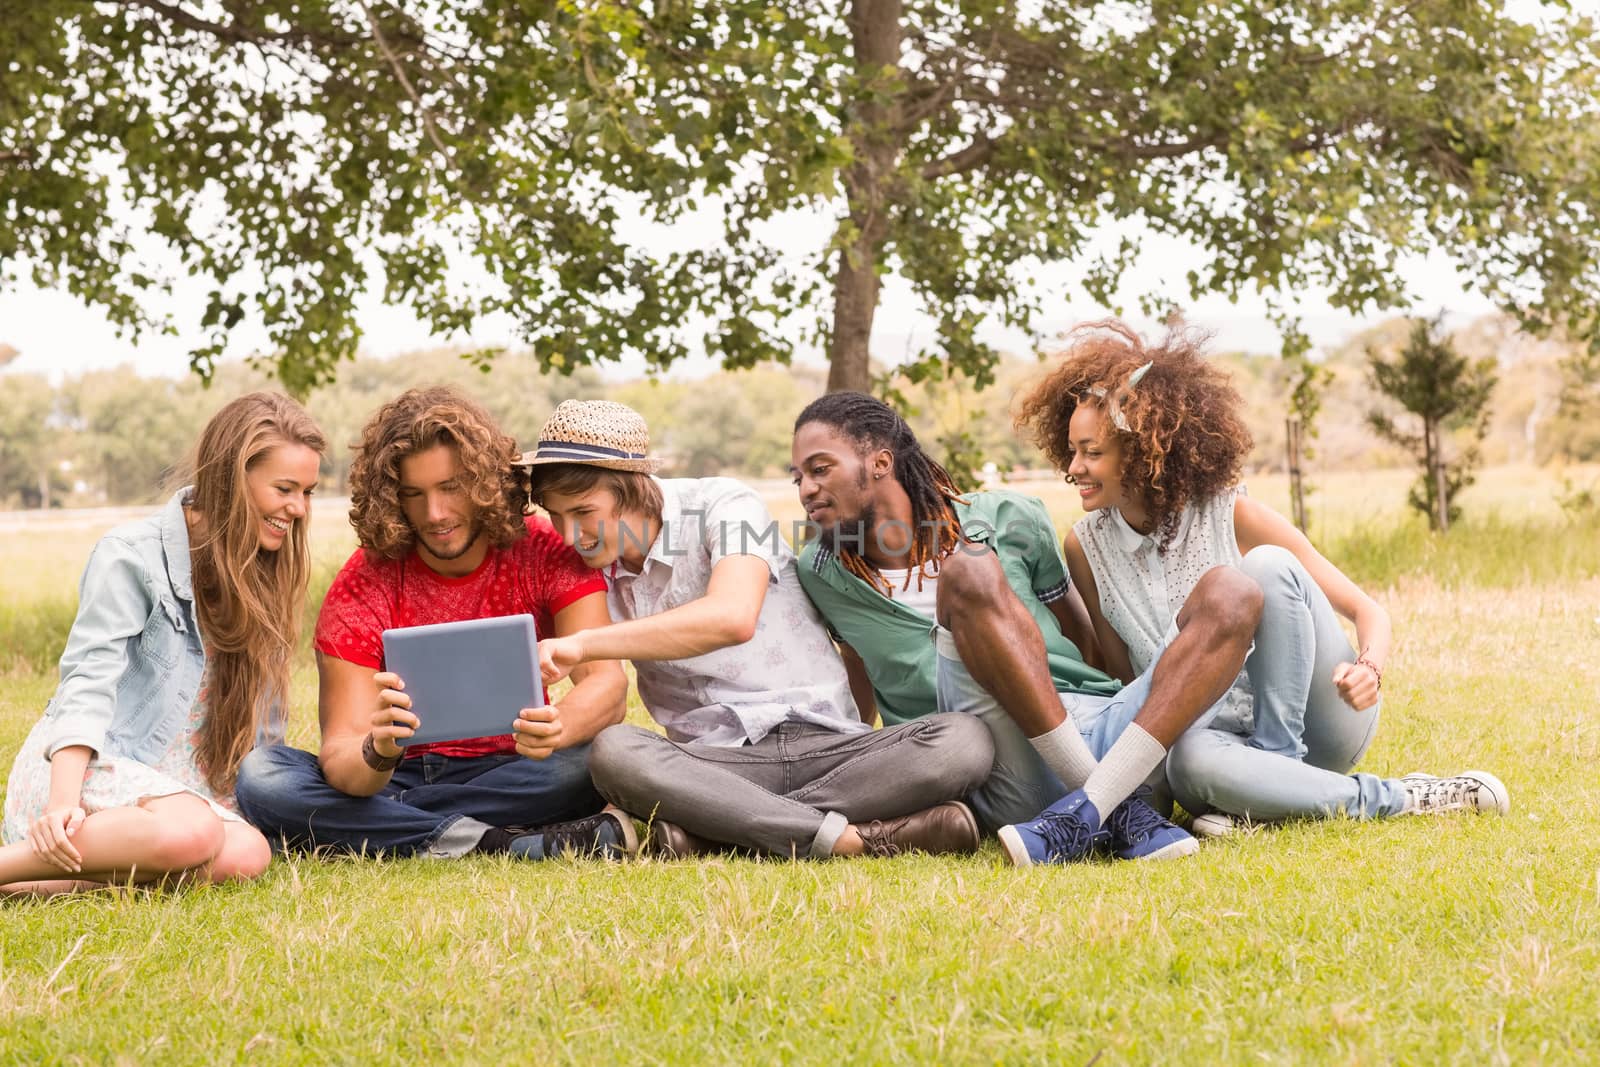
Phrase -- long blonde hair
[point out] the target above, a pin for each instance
(248, 601)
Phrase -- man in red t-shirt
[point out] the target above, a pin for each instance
(438, 512)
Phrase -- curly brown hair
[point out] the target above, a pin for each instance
(417, 420)
(1185, 438)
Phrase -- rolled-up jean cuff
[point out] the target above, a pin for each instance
(456, 838)
(833, 825)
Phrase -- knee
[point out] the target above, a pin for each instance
(189, 842)
(1187, 773)
(611, 753)
(265, 772)
(1269, 565)
(968, 580)
(243, 858)
(1229, 600)
(971, 748)
(1186, 758)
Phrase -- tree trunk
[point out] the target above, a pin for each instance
(1434, 446)
(1297, 497)
(873, 128)
(855, 303)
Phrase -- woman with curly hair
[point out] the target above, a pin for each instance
(1154, 439)
(176, 666)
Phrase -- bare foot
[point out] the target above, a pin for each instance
(51, 888)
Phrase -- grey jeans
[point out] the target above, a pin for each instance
(793, 792)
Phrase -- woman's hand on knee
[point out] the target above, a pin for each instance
(50, 837)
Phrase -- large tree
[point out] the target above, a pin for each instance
(277, 146)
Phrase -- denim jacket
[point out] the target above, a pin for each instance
(134, 661)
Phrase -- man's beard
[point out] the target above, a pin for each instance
(477, 531)
(853, 533)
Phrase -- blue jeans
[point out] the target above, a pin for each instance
(1296, 757)
(1021, 786)
(439, 806)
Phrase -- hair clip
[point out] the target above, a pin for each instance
(1118, 419)
(1137, 376)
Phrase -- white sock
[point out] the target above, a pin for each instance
(1130, 761)
(1065, 753)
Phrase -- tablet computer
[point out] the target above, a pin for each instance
(466, 679)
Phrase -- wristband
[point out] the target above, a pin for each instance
(369, 753)
(1377, 672)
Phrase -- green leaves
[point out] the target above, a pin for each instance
(281, 152)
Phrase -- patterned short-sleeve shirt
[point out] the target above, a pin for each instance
(538, 575)
(789, 671)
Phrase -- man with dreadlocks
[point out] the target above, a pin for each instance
(961, 602)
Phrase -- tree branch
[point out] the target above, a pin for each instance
(405, 83)
(974, 155)
(235, 33)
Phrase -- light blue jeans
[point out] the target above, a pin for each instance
(1296, 758)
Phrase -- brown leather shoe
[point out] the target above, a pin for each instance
(947, 827)
(669, 841)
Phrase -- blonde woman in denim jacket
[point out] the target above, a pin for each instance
(176, 666)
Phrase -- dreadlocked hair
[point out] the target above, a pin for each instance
(872, 424)
(1176, 416)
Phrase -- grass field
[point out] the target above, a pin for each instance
(1468, 940)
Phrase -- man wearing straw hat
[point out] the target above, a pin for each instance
(764, 748)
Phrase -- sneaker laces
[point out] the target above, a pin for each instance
(877, 837)
(1134, 820)
(1065, 834)
(579, 835)
(1442, 794)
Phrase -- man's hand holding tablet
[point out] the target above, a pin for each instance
(393, 720)
(538, 731)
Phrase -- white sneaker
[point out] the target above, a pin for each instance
(1427, 794)
(1221, 824)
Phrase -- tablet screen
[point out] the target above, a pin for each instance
(466, 679)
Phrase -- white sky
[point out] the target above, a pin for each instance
(57, 335)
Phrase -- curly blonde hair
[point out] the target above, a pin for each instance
(414, 422)
(1179, 425)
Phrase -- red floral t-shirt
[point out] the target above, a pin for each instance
(538, 576)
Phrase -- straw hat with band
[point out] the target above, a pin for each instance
(596, 433)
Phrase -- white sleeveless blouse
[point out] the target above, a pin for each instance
(1142, 589)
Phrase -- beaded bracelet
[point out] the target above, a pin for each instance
(1377, 672)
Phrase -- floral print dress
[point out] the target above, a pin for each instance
(112, 781)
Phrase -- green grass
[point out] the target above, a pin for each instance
(1465, 940)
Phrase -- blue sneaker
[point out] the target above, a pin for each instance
(1138, 832)
(1065, 831)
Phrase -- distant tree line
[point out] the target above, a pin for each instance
(110, 436)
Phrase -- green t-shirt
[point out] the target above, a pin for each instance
(896, 642)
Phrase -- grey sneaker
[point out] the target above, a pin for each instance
(1221, 824)
(1427, 794)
